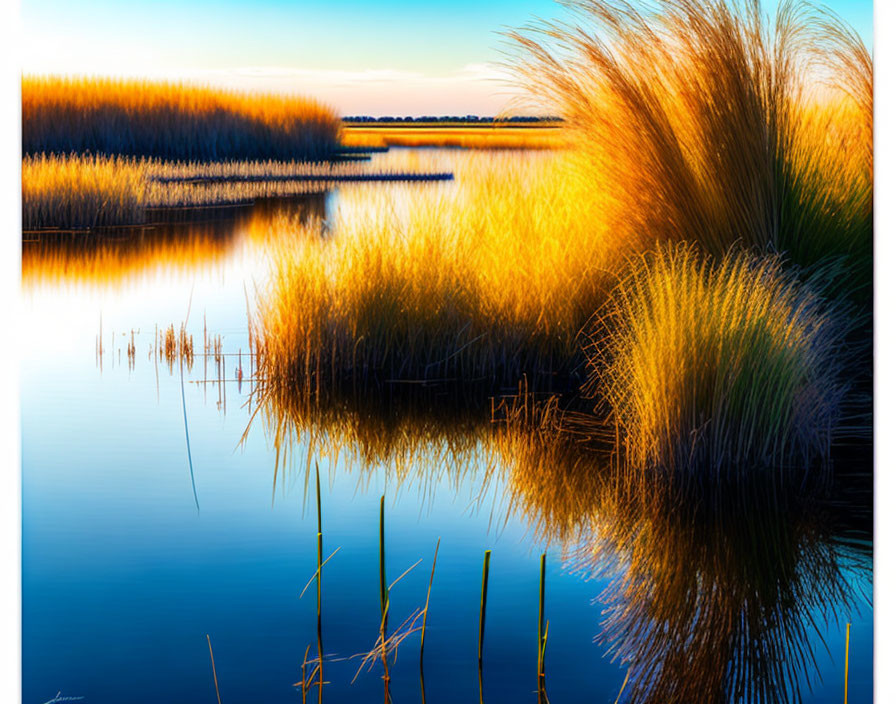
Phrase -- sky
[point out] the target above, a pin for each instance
(391, 57)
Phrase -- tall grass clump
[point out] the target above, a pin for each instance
(81, 192)
(171, 121)
(475, 284)
(704, 120)
(717, 367)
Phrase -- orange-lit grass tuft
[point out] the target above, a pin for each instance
(81, 192)
(703, 121)
(713, 367)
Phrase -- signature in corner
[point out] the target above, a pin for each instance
(60, 698)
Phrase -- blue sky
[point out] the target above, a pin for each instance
(387, 57)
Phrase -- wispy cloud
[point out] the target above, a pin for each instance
(477, 87)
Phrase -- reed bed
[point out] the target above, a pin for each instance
(140, 118)
(475, 284)
(688, 121)
(705, 367)
(84, 192)
(459, 137)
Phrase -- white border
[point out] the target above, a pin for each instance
(884, 373)
(10, 302)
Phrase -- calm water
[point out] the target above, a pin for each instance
(130, 559)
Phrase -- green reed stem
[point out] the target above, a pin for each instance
(384, 590)
(846, 669)
(317, 477)
(485, 563)
(320, 639)
(320, 568)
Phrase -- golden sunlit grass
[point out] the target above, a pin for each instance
(707, 367)
(701, 121)
(476, 283)
(79, 192)
(479, 137)
(171, 121)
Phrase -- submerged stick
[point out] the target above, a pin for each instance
(485, 563)
(214, 672)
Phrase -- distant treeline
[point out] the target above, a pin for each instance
(138, 118)
(454, 118)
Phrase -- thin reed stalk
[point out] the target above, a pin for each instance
(542, 635)
(432, 574)
(482, 601)
(211, 654)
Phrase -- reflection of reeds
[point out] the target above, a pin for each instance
(421, 440)
(713, 596)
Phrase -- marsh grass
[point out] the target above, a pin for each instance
(94, 192)
(689, 121)
(140, 118)
(175, 345)
(82, 192)
(706, 366)
(474, 285)
(704, 121)
(552, 137)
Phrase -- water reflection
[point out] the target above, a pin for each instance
(178, 239)
(720, 596)
(705, 598)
